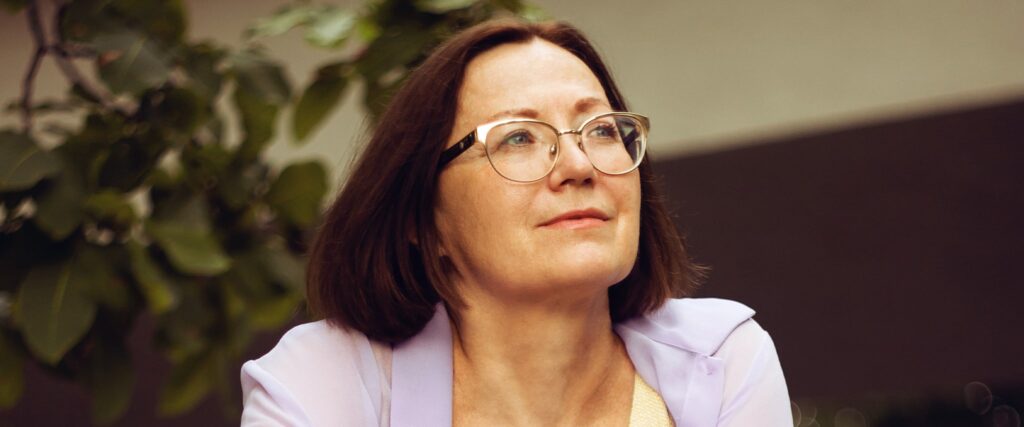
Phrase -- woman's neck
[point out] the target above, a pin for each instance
(539, 364)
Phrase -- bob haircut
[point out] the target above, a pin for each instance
(375, 264)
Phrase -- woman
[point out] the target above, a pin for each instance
(500, 256)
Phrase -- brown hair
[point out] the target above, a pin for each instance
(375, 264)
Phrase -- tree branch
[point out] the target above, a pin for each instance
(32, 12)
(26, 89)
(62, 57)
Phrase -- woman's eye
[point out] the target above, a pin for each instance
(603, 131)
(517, 138)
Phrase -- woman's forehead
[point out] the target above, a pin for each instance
(528, 79)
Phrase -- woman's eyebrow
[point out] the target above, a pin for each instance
(588, 103)
(514, 113)
(583, 105)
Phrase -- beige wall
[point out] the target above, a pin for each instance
(710, 73)
(716, 72)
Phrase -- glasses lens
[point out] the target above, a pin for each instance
(521, 151)
(615, 143)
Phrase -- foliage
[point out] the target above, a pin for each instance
(145, 208)
(376, 46)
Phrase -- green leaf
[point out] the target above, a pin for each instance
(129, 160)
(240, 185)
(264, 284)
(330, 28)
(183, 207)
(215, 126)
(161, 180)
(297, 192)
(367, 29)
(442, 6)
(13, 6)
(83, 20)
(163, 20)
(238, 332)
(319, 99)
(261, 77)
(59, 210)
(86, 149)
(262, 89)
(23, 163)
(21, 250)
(131, 62)
(111, 381)
(12, 371)
(510, 5)
(158, 290)
(55, 311)
(249, 276)
(189, 382)
(205, 163)
(46, 106)
(533, 13)
(395, 48)
(182, 332)
(376, 96)
(175, 111)
(281, 21)
(285, 267)
(110, 206)
(191, 249)
(79, 94)
(95, 265)
(272, 313)
(232, 302)
(258, 118)
(202, 64)
(12, 271)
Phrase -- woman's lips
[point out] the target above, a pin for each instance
(577, 219)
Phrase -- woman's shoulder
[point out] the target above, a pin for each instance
(720, 338)
(698, 325)
(312, 347)
(316, 371)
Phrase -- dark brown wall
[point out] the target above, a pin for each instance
(883, 259)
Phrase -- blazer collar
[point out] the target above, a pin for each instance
(421, 376)
(670, 349)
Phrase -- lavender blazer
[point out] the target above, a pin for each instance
(707, 358)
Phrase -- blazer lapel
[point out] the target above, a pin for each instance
(673, 350)
(421, 376)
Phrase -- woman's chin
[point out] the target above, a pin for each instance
(578, 280)
(593, 264)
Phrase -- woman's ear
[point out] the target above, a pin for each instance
(412, 236)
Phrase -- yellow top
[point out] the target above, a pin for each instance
(648, 408)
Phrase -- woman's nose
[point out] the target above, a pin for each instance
(572, 165)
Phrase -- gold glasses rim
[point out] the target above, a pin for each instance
(479, 134)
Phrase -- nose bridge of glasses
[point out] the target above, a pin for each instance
(575, 132)
(559, 157)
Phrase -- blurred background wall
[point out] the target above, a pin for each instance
(852, 170)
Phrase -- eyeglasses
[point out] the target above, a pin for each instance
(525, 150)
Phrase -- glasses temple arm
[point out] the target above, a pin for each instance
(454, 151)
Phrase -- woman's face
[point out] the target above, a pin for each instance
(574, 232)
